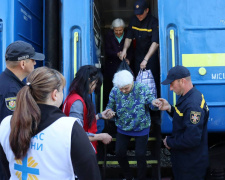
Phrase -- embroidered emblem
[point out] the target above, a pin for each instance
(137, 6)
(10, 103)
(26, 169)
(195, 117)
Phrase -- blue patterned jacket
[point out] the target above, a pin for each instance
(132, 110)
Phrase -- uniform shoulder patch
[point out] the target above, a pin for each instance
(10, 103)
(195, 117)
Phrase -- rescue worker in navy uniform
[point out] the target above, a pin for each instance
(20, 60)
(143, 27)
(189, 139)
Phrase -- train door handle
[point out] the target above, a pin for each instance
(173, 58)
(75, 40)
(173, 46)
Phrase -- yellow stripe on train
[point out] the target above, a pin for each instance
(203, 60)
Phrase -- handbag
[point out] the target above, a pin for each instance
(146, 77)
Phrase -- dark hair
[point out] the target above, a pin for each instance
(26, 117)
(81, 85)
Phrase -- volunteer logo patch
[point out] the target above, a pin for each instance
(10, 103)
(26, 169)
(195, 117)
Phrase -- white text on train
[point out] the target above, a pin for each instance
(218, 76)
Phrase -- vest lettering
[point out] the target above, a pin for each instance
(39, 136)
(32, 145)
(36, 146)
(40, 146)
(35, 137)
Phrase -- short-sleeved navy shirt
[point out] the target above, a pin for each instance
(145, 32)
(9, 87)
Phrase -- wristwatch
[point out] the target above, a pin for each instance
(100, 115)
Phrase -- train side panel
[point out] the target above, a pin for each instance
(76, 32)
(192, 34)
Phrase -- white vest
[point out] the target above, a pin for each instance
(49, 154)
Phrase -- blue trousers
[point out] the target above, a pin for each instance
(122, 142)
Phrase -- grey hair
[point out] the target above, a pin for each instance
(117, 23)
(122, 78)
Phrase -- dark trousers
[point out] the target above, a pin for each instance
(193, 174)
(2, 173)
(140, 153)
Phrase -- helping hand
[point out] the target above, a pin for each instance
(123, 55)
(106, 138)
(165, 143)
(157, 103)
(128, 62)
(165, 105)
(108, 114)
(143, 64)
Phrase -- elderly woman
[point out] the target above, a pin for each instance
(114, 42)
(130, 101)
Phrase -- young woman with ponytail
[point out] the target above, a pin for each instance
(38, 141)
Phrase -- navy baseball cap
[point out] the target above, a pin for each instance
(177, 72)
(20, 50)
(140, 6)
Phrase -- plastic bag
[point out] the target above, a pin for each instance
(124, 66)
(146, 77)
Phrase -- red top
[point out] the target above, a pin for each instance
(70, 99)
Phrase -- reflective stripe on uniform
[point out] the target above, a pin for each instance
(178, 112)
(141, 29)
(203, 102)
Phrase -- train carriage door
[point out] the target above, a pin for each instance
(28, 23)
(21, 20)
(192, 34)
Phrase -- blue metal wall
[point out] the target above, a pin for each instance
(21, 20)
(192, 33)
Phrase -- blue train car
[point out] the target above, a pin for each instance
(20, 20)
